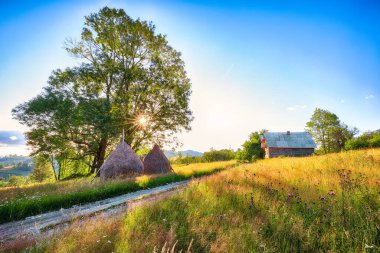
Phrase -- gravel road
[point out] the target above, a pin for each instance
(34, 225)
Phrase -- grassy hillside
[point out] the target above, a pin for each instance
(20, 202)
(15, 165)
(327, 203)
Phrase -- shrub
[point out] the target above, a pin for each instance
(356, 143)
(375, 141)
(16, 181)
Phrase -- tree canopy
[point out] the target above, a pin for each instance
(328, 131)
(129, 78)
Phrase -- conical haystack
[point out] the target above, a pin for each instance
(122, 161)
(156, 162)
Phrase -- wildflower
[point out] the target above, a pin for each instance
(344, 175)
(98, 241)
(332, 193)
(366, 246)
(109, 241)
(322, 198)
(104, 236)
(290, 195)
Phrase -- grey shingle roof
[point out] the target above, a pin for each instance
(293, 140)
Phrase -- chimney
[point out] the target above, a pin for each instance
(263, 143)
(288, 132)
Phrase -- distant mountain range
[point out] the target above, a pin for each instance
(170, 154)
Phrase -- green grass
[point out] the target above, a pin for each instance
(37, 199)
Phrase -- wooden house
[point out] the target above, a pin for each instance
(287, 144)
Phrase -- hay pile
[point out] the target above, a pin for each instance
(156, 162)
(121, 162)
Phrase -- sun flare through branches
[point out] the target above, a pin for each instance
(141, 121)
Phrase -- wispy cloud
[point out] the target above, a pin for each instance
(370, 96)
(11, 138)
(342, 101)
(296, 107)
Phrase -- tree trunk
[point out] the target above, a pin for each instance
(99, 156)
(52, 165)
(60, 170)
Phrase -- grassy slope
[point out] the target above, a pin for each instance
(317, 204)
(20, 202)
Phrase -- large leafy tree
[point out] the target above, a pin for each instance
(328, 131)
(129, 78)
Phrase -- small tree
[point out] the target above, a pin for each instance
(251, 149)
(43, 170)
(340, 135)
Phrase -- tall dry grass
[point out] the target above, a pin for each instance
(325, 203)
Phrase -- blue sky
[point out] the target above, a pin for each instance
(253, 64)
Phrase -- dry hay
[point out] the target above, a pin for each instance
(156, 162)
(121, 162)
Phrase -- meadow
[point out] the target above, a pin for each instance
(326, 203)
(20, 202)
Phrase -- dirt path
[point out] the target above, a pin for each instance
(34, 225)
